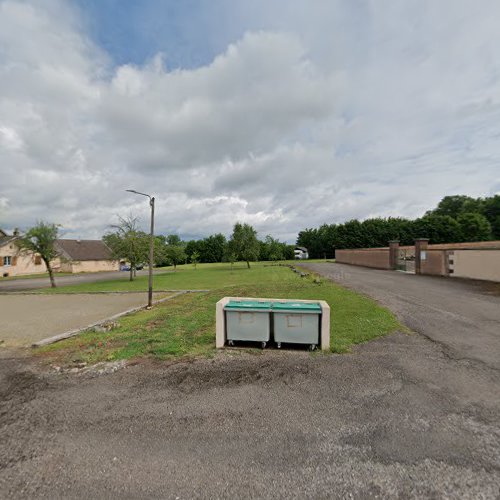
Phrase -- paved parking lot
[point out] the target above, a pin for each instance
(405, 416)
(29, 318)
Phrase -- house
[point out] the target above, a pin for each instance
(13, 261)
(84, 256)
(74, 256)
(301, 253)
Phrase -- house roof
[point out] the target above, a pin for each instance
(303, 249)
(5, 238)
(84, 250)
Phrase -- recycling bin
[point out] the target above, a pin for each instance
(248, 320)
(297, 323)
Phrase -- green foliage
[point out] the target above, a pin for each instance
(175, 254)
(491, 210)
(455, 219)
(195, 258)
(244, 243)
(128, 243)
(474, 227)
(173, 240)
(453, 206)
(211, 249)
(41, 239)
(438, 228)
(273, 249)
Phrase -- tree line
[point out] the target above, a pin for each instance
(128, 242)
(455, 219)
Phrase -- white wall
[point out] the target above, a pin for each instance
(477, 264)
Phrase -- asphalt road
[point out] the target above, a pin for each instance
(27, 284)
(462, 316)
(404, 416)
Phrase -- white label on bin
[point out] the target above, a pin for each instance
(294, 320)
(246, 317)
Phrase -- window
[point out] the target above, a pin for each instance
(38, 260)
(7, 261)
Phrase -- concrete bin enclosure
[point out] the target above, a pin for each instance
(221, 326)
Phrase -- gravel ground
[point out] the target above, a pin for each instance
(30, 318)
(398, 418)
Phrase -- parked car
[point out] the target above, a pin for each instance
(126, 267)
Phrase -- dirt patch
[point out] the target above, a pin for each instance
(191, 376)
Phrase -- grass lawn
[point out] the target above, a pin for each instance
(185, 325)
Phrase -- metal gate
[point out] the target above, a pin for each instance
(406, 260)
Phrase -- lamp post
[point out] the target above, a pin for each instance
(151, 244)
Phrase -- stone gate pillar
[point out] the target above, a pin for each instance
(393, 254)
(421, 245)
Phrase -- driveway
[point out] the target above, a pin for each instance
(29, 318)
(404, 416)
(462, 316)
(25, 284)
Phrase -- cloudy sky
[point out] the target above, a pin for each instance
(281, 113)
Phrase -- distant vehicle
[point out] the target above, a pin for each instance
(126, 267)
(301, 253)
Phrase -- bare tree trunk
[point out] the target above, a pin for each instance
(51, 274)
(248, 264)
(131, 274)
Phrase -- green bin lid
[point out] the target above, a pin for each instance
(300, 307)
(241, 305)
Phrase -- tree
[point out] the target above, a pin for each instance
(231, 258)
(173, 239)
(41, 240)
(195, 258)
(438, 228)
(244, 243)
(474, 227)
(455, 205)
(160, 243)
(271, 249)
(175, 254)
(491, 210)
(129, 243)
(213, 248)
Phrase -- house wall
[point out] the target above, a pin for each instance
(476, 264)
(23, 263)
(90, 266)
(368, 257)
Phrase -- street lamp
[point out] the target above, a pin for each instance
(151, 244)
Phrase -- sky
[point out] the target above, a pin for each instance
(284, 114)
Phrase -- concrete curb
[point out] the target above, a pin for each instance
(72, 333)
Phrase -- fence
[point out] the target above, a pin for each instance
(477, 260)
(378, 258)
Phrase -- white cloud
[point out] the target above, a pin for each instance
(379, 110)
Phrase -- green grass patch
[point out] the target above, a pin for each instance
(205, 276)
(185, 325)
